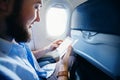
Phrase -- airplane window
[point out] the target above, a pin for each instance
(56, 21)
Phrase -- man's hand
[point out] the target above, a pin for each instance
(65, 59)
(41, 52)
(64, 64)
(53, 45)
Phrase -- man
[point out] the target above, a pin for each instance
(16, 60)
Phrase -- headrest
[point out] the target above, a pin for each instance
(101, 16)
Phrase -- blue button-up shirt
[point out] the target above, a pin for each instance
(17, 62)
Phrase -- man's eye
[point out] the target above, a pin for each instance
(37, 6)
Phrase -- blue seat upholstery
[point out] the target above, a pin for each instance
(102, 50)
(96, 25)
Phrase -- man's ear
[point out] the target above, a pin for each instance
(6, 6)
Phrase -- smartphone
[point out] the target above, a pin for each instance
(61, 50)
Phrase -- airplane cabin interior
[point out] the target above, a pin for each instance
(93, 25)
(88, 21)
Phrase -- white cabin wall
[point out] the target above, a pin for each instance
(75, 3)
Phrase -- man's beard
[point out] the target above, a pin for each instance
(17, 30)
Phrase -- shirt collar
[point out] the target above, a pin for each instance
(5, 46)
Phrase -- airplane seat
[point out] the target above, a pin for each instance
(46, 60)
(95, 24)
(100, 50)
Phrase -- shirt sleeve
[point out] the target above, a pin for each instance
(7, 74)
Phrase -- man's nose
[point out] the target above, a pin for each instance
(37, 16)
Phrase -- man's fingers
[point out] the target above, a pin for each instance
(67, 55)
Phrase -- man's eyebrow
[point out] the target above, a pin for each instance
(38, 1)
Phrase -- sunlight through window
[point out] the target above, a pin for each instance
(56, 21)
